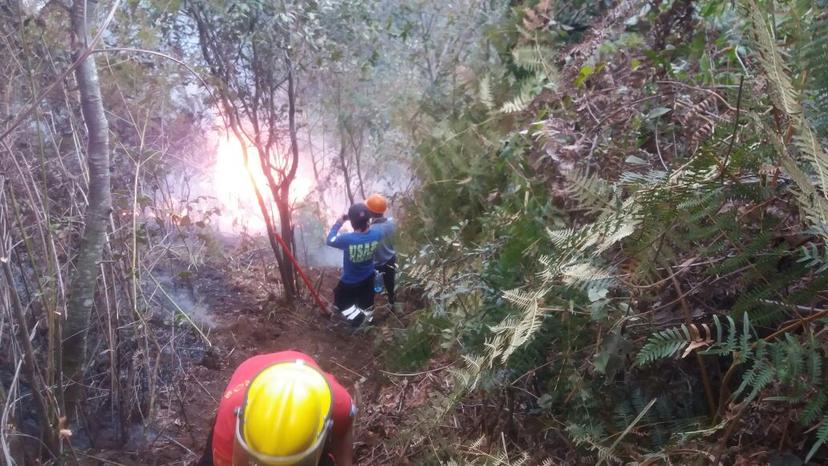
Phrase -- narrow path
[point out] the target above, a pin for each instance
(246, 319)
(250, 320)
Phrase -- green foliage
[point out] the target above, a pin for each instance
(650, 224)
(821, 438)
(793, 362)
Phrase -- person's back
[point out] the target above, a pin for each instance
(245, 421)
(359, 248)
(385, 257)
(356, 285)
(385, 250)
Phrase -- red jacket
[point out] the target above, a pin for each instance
(223, 432)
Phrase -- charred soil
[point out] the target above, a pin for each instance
(244, 317)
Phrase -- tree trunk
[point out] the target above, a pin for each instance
(343, 162)
(285, 224)
(283, 198)
(82, 289)
(358, 159)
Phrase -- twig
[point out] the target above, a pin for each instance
(414, 374)
(630, 427)
(795, 325)
(361, 377)
(720, 448)
(28, 352)
(178, 308)
(735, 127)
(178, 443)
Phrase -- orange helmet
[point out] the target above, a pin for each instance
(376, 203)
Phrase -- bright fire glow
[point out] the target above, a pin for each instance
(234, 191)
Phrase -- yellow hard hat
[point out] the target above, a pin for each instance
(286, 414)
(376, 203)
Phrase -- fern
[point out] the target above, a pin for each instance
(528, 91)
(787, 99)
(808, 145)
(667, 343)
(486, 92)
(813, 409)
(814, 363)
(663, 344)
(771, 59)
(532, 58)
(812, 257)
(591, 191)
(821, 437)
(812, 55)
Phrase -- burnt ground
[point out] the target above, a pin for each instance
(245, 317)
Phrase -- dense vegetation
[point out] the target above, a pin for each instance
(639, 262)
(613, 214)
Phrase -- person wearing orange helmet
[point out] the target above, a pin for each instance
(280, 409)
(385, 257)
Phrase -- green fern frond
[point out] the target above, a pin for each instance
(667, 343)
(808, 145)
(763, 378)
(792, 366)
(642, 180)
(729, 331)
(536, 59)
(821, 437)
(812, 257)
(583, 434)
(814, 364)
(663, 344)
(814, 409)
(760, 242)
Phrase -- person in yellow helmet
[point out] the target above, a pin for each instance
(280, 409)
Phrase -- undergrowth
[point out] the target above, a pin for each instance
(622, 232)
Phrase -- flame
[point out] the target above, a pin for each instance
(234, 191)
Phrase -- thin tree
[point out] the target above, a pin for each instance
(83, 284)
(250, 55)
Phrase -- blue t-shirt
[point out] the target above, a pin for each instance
(358, 255)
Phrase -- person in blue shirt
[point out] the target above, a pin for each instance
(385, 258)
(356, 285)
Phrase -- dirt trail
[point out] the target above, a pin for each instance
(248, 319)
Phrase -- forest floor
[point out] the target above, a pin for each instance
(244, 317)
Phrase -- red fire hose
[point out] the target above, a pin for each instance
(319, 302)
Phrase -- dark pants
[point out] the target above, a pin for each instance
(388, 271)
(348, 294)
